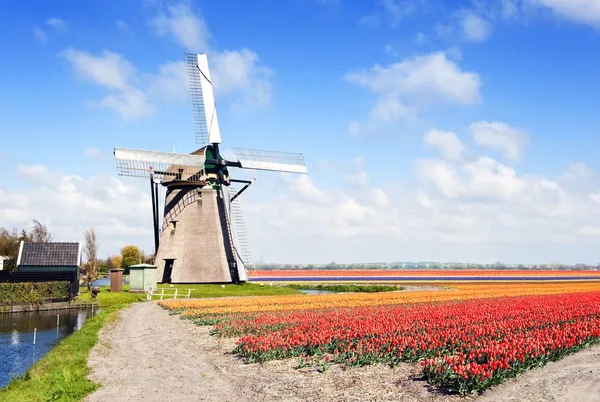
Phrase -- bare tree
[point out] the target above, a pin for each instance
(40, 233)
(91, 253)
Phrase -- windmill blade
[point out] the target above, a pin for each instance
(271, 160)
(241, 235)
(237, 232)
(204, 111)
(162, 165)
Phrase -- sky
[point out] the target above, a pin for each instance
(462, 131)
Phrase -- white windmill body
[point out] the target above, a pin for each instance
(202, 238)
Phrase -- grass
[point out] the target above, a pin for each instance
(349, 288)
(246, 289)
(61, 375)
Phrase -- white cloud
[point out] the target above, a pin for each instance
(484, 181)
(109, 69)
(57, 23)
(398, 10)
(389, 110)
(509, 9)
(584, 11)
(391, 50)
(500, 136)
(590, 230)
(446, 143)
(415, 83)
(428, 77)
(421, 39)
(188, 28)
(360, 178)
(113, 72)
(304, 189)
(133, 94)
(354, 128)
(39, 34)
(123, 26)
(392, 11)
(120, 214)
(476, 209)
(240, 72)
(93, 153)
(170, 83)
(475, 28)
(577, 171)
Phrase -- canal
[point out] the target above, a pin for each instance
(17, 351)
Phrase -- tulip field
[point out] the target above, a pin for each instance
(464, 339)
(420, 275)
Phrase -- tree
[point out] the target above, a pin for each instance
(91, 253)
(116, 260)
(40, 233)
(131, 256)
(9, 247)
(148, 258)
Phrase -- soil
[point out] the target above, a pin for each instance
(148, 355)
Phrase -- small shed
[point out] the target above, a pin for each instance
(51, 261)
(142, 277)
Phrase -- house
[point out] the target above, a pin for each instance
(2, 259)
(55, 260)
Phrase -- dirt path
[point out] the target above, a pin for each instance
(576, 378)
(147, 355)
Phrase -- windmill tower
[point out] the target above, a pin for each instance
(201, 239)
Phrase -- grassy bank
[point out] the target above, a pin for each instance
(61, 375)
(349, 288)
(246, 289)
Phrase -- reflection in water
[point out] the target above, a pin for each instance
(17, 351)
(316, 291)
(106, 282)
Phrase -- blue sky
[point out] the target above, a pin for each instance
(453, 131)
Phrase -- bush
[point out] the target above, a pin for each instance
(32, 293)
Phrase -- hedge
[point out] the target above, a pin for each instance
(32, 293)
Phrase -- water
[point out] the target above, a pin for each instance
(316, 291)
(104, 282)
(17, 351)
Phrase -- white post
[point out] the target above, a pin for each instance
(175, 297)
(34, 335)
(189, 292)
(162, 293)
(149, 295)
(57, 319)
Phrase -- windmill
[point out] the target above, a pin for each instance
(201, 239)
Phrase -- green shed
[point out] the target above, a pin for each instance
(142, 277)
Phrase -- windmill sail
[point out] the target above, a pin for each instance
(271, 160)
(204, 111)
(237, 233)
(241, 235)
(162, 165)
